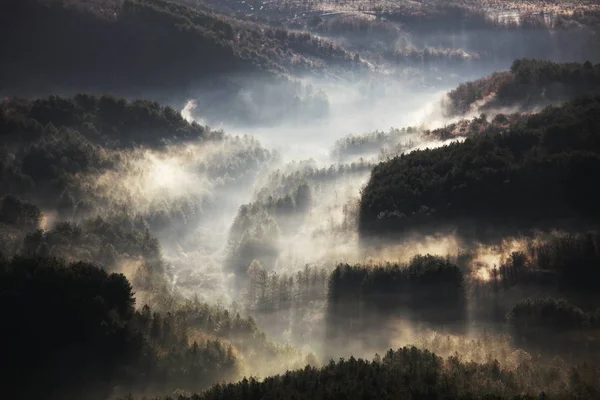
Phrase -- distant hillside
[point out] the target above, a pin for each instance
(140, 47)
(528, 84)
(454, 34)
(540, 174)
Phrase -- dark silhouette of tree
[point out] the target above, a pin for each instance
(360, 298)
(74, 332)
(15, 212)
(68, 328)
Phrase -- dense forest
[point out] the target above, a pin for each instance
(427, 289)
(187, 46)
(535, 175)
(529, 83)
(117, 34)
(163, 51)
(413, 373)
(48, 144)
(90, 340)
(90, 334)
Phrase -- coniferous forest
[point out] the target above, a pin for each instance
(299, 199)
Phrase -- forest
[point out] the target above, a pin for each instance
(410, 373)
(529, 84)
(75, 332)
(285, 199)
(159, 50)
(532, 175)
(49, 143)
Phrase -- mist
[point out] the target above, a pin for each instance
(305, 157)
(305, 182)
(221, 208)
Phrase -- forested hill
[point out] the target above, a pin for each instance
(74, 334)
(541, 173)
(135, 47)
(48, 144)
(529, 84)
(409, 373)
(104, 120)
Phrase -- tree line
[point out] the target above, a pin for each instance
(568, 261)
(535, 175)
(427, 289)
(411, 373)
(530, 83)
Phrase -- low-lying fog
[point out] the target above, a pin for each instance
(295, 152)
(283, 194)
(352, 110)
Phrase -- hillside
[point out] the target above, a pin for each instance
(454, 34)
(411, 373)
(48, 144)
(138, 47)
(536, 175)
(100, 346)
(528, 85)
